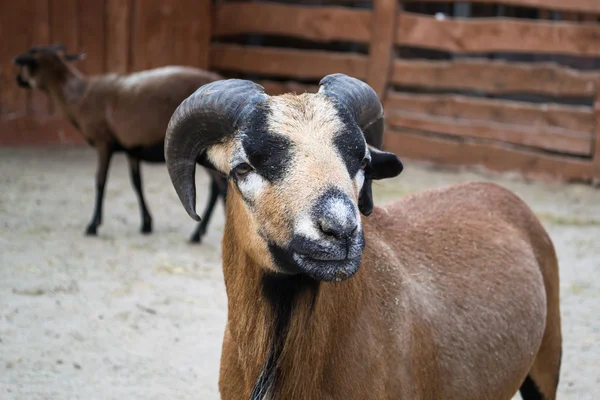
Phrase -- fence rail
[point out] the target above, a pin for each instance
(520, 91)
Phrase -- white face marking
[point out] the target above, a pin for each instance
(305, 226)
(359, 178)
(251, 185)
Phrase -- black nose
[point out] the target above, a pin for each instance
(337, 229)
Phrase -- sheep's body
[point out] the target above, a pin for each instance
(449, 303)
(119, 113)
(448, 294)
(134, 110)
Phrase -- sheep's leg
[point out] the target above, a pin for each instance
(136, 180)
(104, 156)
(212, 200)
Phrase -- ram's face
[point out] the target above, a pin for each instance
(297, 167)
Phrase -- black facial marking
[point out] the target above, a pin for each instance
(282, 293)
(350, 142)
(283, 259)
(268, 152)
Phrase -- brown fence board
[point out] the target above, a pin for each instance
(14, 16)
(39, 104)
(35, 131)
(92, 36)
(276, 88)
(596, 166)
(580, 119)
(118, 35)
(381, 47)
(309, 64)
(554, 139)
(581, 6)
(64, 23)
(497, 35)
(152, 40)
(496, 157)
(191, 33)
(322, 24)
(496, 77)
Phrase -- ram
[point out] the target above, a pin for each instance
(448, 294)
(117, 113)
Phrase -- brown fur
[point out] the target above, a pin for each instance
(116, 112)
(457, 290)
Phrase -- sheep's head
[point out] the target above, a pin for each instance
(299, 167)
(41, 65)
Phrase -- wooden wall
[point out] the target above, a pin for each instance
(448, 92)
(508, 92)
(115, 35)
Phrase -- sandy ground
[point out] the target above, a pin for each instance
(126, 316)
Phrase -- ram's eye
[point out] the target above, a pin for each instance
(243, 169)
(364, 163)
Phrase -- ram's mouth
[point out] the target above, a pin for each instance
(327, 270)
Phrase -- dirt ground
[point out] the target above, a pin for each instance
(126, 316)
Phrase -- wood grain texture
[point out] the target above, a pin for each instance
(36, 131)
(503, 158)
(152, 43)
(596, 159)
(92, 36)
(382, 45)
(118, 30)
(191, 33)
(276, 88)
(309, 64)
(39, 104)
(497, 35)
(323, 24)
(581, 6)
(13, 19)
(496, 77)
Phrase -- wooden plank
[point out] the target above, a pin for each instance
(382, 44)
(39, 103)
(582, 6)
(92, 36)
(276, 88)
(496, 77)
(192, 33)
(36, 131)
(497, 35)
(152, 40)
(64, 22)
(448, 151)
(579, 119)
(309, 64)
(118, 30)
(323, 24)
(553, 139)
(13, 19)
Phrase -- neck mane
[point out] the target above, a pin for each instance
(68, 92)
(286, 327)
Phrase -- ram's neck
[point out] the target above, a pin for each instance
(67, 93)
(286, 330)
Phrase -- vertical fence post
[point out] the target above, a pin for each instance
(381, 47)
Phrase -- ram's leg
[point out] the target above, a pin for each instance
(136, 180)
(104, 155)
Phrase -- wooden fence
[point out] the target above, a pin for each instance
(469, 103)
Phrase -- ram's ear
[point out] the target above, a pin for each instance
(365, 198)
(383, 164)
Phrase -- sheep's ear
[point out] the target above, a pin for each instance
(383, 164)
(74, 57)
(365, 198)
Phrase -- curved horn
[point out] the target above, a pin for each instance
(360, 100)
(209, 116)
